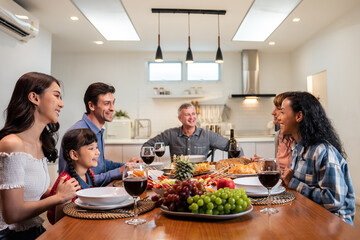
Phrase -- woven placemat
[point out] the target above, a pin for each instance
(275, 199)
(143, 206)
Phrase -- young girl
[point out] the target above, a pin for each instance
(80, 152)
(318, 169)
(27, 143)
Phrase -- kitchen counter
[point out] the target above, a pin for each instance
(250, 138)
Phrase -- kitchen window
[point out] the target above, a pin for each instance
(203, 71)
(165, 71)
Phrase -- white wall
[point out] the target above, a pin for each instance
(127, 73)
(17, 58)
(337, 50)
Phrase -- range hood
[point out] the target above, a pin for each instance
(250, 75)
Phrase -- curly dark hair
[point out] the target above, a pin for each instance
(20, 111)
(93, 91)
(315, 127)
(74, 140)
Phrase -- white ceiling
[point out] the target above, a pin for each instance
(70, 36)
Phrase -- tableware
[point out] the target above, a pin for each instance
(207, 216)
(159, 149)
(196, 158)
(154, 174)
(102, 195)
(135, 177)
(147, 154)
(252, 184)
(269, 176)
(234, 149)
(125, 203)
(276, 191)
(157, 165)
(195, 175)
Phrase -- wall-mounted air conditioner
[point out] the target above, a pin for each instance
(17, 22)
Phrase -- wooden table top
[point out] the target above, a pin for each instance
(299, 219)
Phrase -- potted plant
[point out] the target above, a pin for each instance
(121, 114)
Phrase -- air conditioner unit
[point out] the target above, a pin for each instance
(17, 22)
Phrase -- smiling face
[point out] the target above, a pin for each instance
(289, 120)
(49, 103)
(104, 110)
(86, 157)
(276, 113)
(188, 117)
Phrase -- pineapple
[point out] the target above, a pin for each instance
(183, 168)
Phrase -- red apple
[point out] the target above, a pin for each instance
(225, 182)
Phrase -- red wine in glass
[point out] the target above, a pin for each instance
(234, 153)
(148, 159)
(159, 153)
(135, 186)
(269, 179)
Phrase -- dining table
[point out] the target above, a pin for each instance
(298, 219)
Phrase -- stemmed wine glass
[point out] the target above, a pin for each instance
(269, 175)
(135, 177)
(234, 150)
(159, 149)
(147, 154)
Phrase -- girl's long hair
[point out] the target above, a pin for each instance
(20, 111)
(315, 127)
(74, 140)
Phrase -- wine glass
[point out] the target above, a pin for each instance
(159, 149)
(135, 177)
(234, 150)
(269, 175)
(147, 154)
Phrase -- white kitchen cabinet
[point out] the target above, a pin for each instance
(265, 149)
(249, 148)
(114, 152)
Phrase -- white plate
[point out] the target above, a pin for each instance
(199, 215)
(100, 196)
(125, 203)
(252, 184)
(154, 174)
(157, 165)
(275, 191)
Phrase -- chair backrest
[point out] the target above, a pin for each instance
(211, 154)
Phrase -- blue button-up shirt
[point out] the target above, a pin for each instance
(106, 170)
(322, 175)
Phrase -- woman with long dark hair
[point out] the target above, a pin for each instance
(27, 143)
(318, 168)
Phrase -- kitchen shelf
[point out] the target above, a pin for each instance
(188, 96)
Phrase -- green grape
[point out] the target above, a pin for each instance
(220, 208)
(221, 212)
(218, 201)
(232, 206)
(217, 193)
(212, 198)
(231, 200)
(243, 196)
(194, 206)
(196, 198)
(210, 206)
(239, 201)
(226, 188)
(237, 196)
(200, 202)
(244, 205)
(201, 210)
(248, 201)
(190, 200)
(239, 208)
(227, 211)
(209, 211)
(223, 201)
(194, 211)
(215, 212)
(202, 196)
(224, 195)
(207, 199)
(231, 194)
(208, 194)
(242, 191)
(227, 206)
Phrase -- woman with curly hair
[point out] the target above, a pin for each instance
(27, 143)
(318, 169)
(80, 151)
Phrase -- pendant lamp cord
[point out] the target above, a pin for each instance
(218, 30)
(189, 28)
(159, 29)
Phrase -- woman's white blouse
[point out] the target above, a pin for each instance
(22, 170)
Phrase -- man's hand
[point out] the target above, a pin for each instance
(287, 175)
(255, 158)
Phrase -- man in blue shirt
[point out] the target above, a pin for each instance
(99, 102)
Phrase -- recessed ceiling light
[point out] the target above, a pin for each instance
(296, 19)
(109, 17)
(99, 42)
(263, 18)
(271, 43)
(21, 16)
(74, 18)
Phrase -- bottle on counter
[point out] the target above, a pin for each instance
(234, 149)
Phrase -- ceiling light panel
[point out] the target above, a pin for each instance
(109, 18)
(263, 18)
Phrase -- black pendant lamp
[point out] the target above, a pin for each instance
(189, 56)
(219, 57)
(159, 56)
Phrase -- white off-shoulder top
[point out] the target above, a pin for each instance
(22, 170)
